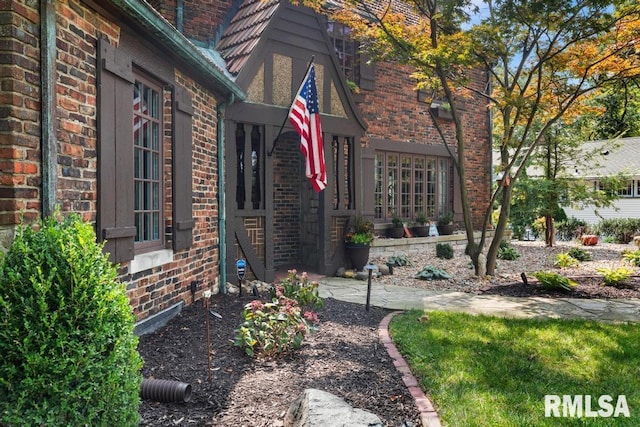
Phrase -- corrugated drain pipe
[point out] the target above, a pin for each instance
(165, 390)
(222, 215)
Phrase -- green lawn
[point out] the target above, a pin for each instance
(489, 371)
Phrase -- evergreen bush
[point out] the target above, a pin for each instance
(444, 250)
(69, 355)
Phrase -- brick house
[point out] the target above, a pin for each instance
(158, 121)
(110, 112)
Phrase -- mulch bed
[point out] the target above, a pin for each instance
(588, 287)
(343, 357)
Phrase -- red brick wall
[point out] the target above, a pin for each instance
(19, 115)
(393, 112)
(77, 28)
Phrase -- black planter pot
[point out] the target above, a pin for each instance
(395, 232)
(421, 230)
(445, 230)
(358, 254)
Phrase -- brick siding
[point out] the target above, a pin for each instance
(77, 30)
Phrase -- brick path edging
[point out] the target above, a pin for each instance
(428, 415)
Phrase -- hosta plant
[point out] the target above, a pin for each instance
(507, 252)
(579, 254)
(632, 256)
(399, 260)
(554, 281)
(432, 273)
(615, 276)
(564, 260)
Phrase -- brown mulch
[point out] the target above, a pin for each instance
(343, 357)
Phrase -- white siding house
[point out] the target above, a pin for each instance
(622, 155)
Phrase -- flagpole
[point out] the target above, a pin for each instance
(284, 122)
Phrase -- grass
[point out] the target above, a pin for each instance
(489, 371)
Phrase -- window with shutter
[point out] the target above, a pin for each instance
(133, 167)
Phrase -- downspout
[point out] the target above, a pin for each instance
(222, 210)
(48, 107)
(180, 16)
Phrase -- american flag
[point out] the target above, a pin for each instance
(305, 118)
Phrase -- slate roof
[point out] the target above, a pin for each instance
(622, 155)
(244, 32)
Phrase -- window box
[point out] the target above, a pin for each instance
(441, 110)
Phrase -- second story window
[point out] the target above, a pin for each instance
(346, 50)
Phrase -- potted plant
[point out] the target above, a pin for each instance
(445, 223)
(422, 225)
(357, 239)
(397, 229)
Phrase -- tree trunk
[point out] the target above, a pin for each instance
(501, 226)
(549, 231)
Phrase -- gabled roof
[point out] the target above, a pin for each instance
(148, 19)
(244, 32)
(615, 156)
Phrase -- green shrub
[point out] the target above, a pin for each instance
(564, 260)
(622, 229)
(277, 327)
(444, 250)
(570, 229)
(432, 273)
(274, 328)
(615, 277)
(468, 247)
(632, 256)
(579, 254)
(68, 350)
(554, 281)
(507, 252)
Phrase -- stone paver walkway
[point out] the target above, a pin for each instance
(405, 298)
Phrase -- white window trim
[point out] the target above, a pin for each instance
(149, 260)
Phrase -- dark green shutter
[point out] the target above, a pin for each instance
(115, 220)
(367, 73)
(183, 221)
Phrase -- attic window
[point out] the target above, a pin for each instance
(346, 50)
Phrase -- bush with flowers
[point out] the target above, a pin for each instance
(360, 232)
(274, 328)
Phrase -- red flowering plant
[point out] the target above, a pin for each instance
(277, 327)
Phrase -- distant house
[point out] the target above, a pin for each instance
(158, 122)
(612, 157)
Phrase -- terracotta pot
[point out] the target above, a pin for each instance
(589, 239)
(358, 254)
